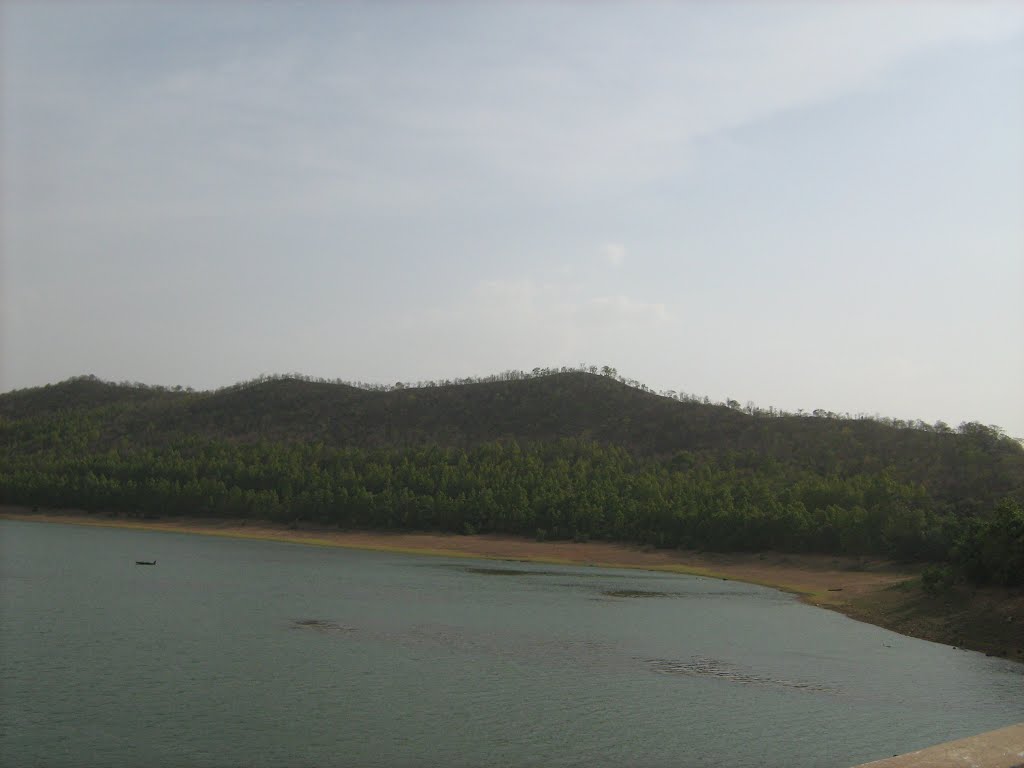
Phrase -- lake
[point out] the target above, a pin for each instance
(233, 652)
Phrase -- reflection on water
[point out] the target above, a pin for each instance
(253, 653)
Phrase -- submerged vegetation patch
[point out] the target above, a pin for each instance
(505, 572)
(320, 625)
(480, 570)
(484, 571)
(703, 666)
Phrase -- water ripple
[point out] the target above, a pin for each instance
(704, 666)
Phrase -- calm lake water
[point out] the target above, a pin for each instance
(249, 653)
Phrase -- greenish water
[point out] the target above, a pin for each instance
(249, 653)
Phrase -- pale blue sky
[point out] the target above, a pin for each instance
(804, 205)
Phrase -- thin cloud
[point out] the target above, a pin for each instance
(614, 253)
(622, 310)
(585, 114)
(551, 318)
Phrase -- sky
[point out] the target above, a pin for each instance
(804, 205)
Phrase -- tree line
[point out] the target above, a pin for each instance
(563, 489)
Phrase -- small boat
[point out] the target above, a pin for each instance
(145, 562)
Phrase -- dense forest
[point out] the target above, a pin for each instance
(569, 453)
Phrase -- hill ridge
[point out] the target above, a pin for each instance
(12, 396)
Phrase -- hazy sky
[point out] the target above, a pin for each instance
(813, 205)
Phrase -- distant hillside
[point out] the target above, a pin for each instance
(831, 474)
(977, 463)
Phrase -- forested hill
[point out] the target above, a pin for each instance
(974, 461)
(679, 465)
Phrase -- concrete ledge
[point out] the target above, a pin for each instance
(996, 749)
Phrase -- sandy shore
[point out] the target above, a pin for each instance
(822, 580)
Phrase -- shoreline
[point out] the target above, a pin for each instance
(1003, 748)
(873, 591)
(820, 577)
